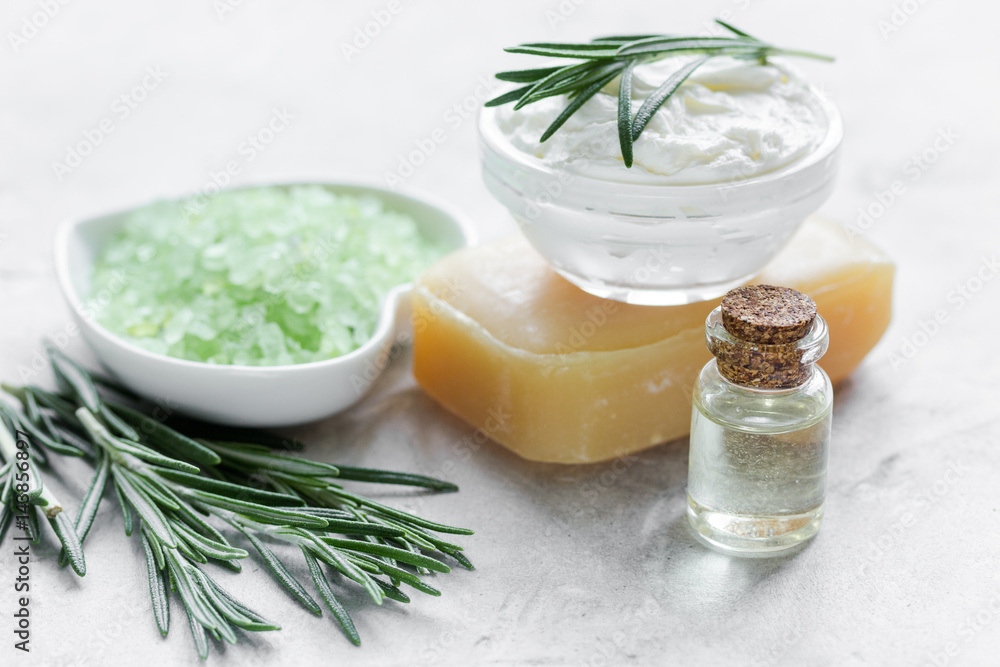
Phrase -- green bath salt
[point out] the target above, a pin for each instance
(258, 277)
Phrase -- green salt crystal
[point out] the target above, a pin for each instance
(143, 330)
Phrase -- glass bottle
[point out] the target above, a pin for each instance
(760, 425)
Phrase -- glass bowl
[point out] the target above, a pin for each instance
(656, 244)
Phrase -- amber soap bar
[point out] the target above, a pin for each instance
(558, 375)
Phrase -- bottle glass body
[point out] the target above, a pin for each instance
(758, 460)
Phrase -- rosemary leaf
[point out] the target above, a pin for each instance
(570, 86)
(660, 95)
(194, 428)
(462, 560)
(247, 493)
(262, 623)
(115, 446)
(560, 76)
(6, 489)
(361, 528)
(36, 485)
(392, 592)
(126, 509)
(625, 114)
(624, 38)
(289, 464)
(604, 53)
(507, 97)
(221, 604)
(31, 410)
(341, 562)
(674, 45)
(262, 513)
(194, 604)
(6, 516)
(195, 521)
(34, 534)
(200, 639)
(595, 45)
(157, 587)
(399, 514)
(162, 436)
(154, 544)
(332, 603)
(156, 494)
(281, 573)
(37, 434)
(402, 555)
(73, 378)
(70, 541)
(116, 424)
(411, 530)
(390, 477)
(406, 577)
(147, 511)
(734, 30)
(577, 102)
(210, 548)
(113, 385)
(526, 75)
(140, 451)
(91, 502)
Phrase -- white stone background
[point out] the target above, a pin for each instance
(577, 565)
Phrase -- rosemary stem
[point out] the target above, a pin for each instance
(48, 500)
(103, 439)
(13, 390)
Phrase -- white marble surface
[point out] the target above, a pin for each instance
(577, 566)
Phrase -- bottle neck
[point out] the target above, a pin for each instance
(767, 382)
(758, 366)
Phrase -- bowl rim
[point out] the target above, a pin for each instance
(388, 308)
(494, 140)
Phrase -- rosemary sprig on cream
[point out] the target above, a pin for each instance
(606, 58)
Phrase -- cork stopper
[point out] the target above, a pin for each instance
(765, 324)
(767, 314)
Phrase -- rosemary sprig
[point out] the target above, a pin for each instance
(605, 58)
(182, 483)
(23, 493)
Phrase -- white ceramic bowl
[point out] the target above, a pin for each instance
(264, 396)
